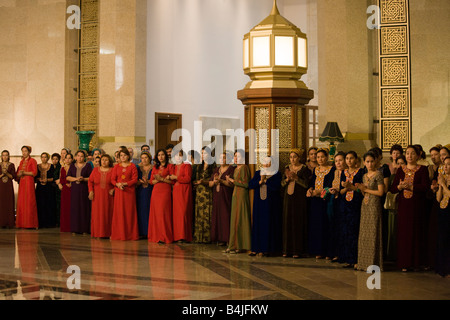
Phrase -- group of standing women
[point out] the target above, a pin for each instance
(354, 211)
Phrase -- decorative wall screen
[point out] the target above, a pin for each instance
(395, 73)
(88, 68)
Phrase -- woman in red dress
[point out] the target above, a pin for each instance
(27, 217)
(160, 222)
(101, 192)
(182, 199)
(124, 178)
(411, 183)
(7, 175)
(65, 187)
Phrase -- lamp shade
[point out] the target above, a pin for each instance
(275, 53)
(332, 133)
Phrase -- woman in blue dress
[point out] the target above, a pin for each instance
(350, 207)
(266, 228)
(320, 195)
(144, 193)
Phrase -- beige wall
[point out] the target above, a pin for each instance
(32, 74)
(430, 67)
(346, 71)
(122, 73)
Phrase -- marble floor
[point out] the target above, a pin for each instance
(34, 266)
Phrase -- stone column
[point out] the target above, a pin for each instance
(346, 72)
(122, 74)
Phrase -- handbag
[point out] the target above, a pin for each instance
(391, 201)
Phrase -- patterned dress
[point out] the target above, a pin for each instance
(203, 206)
(370, 246)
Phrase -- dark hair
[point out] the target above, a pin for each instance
(83, 152)
(110, 160)
(416, 149)
(145, 146)
(26, 147)
(147, 154)
(340, 153)
(436, 148)
(446, 149)
(402, 157)
(125, 151)
(397, 147)
(9, 157)
(169, 146)
(45, 153)
(446, 158)
(377, 151)
(325, 152)
(370, 154)
(69, 154)
(312, 148)
(353, 153)
(421, 153)
(56, 155)
(157, 162)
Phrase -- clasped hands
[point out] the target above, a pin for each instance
(403, 185)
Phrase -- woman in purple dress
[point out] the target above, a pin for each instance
(222, 195)
(80, 205)
(411, 183)
(7, 175)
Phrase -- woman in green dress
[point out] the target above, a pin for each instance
(203, 198)
(240, 223)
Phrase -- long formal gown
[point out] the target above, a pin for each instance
(66, 195)
(411, 237)
(295, 213)
(143, 198)
(45, 198)
(350, 208)
(7, 200)
(318, 233)
(160, 225)
(240, 222)
(80, 205)
(267, 214)
(182, 203)
(27, 216)
(57, 192)
(125, 222)
(335, 217)
(102, 204)
(203, 207)
(442, 266)
(370, 242)
(221, 207)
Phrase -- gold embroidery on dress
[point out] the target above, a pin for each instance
(320, 178)
(43, 173)
(350, 177)
(409, 179)
(5, 167)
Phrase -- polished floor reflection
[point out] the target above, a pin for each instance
(34, 265)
